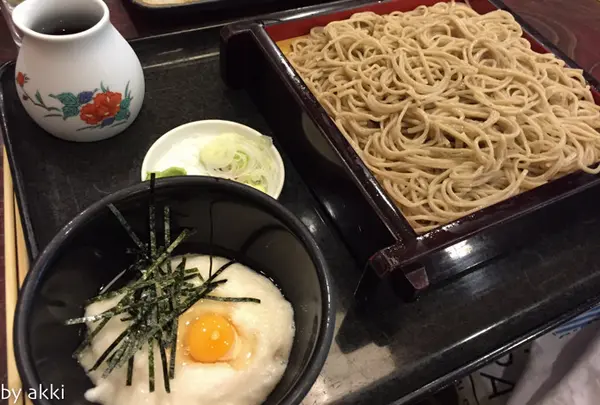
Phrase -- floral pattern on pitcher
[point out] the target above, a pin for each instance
(97, 109)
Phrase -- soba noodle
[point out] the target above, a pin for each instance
(451, 110)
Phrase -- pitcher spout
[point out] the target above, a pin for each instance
(59, 19)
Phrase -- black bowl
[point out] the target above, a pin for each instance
(90, 250)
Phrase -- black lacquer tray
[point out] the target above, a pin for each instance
(372, 226)
(385, 352)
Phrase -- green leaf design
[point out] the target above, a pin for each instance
(126, 94)
(67, 99)
(125, 103)
(70, 111)
(102, 88)
(38, 97)
(123, 114)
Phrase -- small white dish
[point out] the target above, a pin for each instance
(180, 147)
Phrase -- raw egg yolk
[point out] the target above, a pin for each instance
(209, 338)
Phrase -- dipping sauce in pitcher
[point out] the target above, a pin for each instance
(64, 27)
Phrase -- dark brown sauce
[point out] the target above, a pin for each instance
(64, 27)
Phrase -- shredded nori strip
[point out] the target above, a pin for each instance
(150, 364)
(108, 350)
(221, 270)
(167, 219)
(152, 215)
(179, 276)
(190, 274)
(231, 299)
(127, 227)
(152, 303)
(210, 238)
(165, 368)
(115, 311)
(130, 371)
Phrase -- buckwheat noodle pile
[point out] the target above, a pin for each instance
(451, 110)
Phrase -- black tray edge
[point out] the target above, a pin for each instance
(468, 368)
(30, 241)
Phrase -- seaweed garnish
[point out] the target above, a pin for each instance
(153, 301)
(210, 236)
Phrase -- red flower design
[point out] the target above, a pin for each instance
(22, 79)
(105, 105)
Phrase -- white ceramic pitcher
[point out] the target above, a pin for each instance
(83, 86)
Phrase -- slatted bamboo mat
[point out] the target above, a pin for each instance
(16, 265)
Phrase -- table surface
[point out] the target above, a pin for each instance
(573, 26)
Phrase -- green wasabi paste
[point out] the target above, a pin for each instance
(170, 172)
